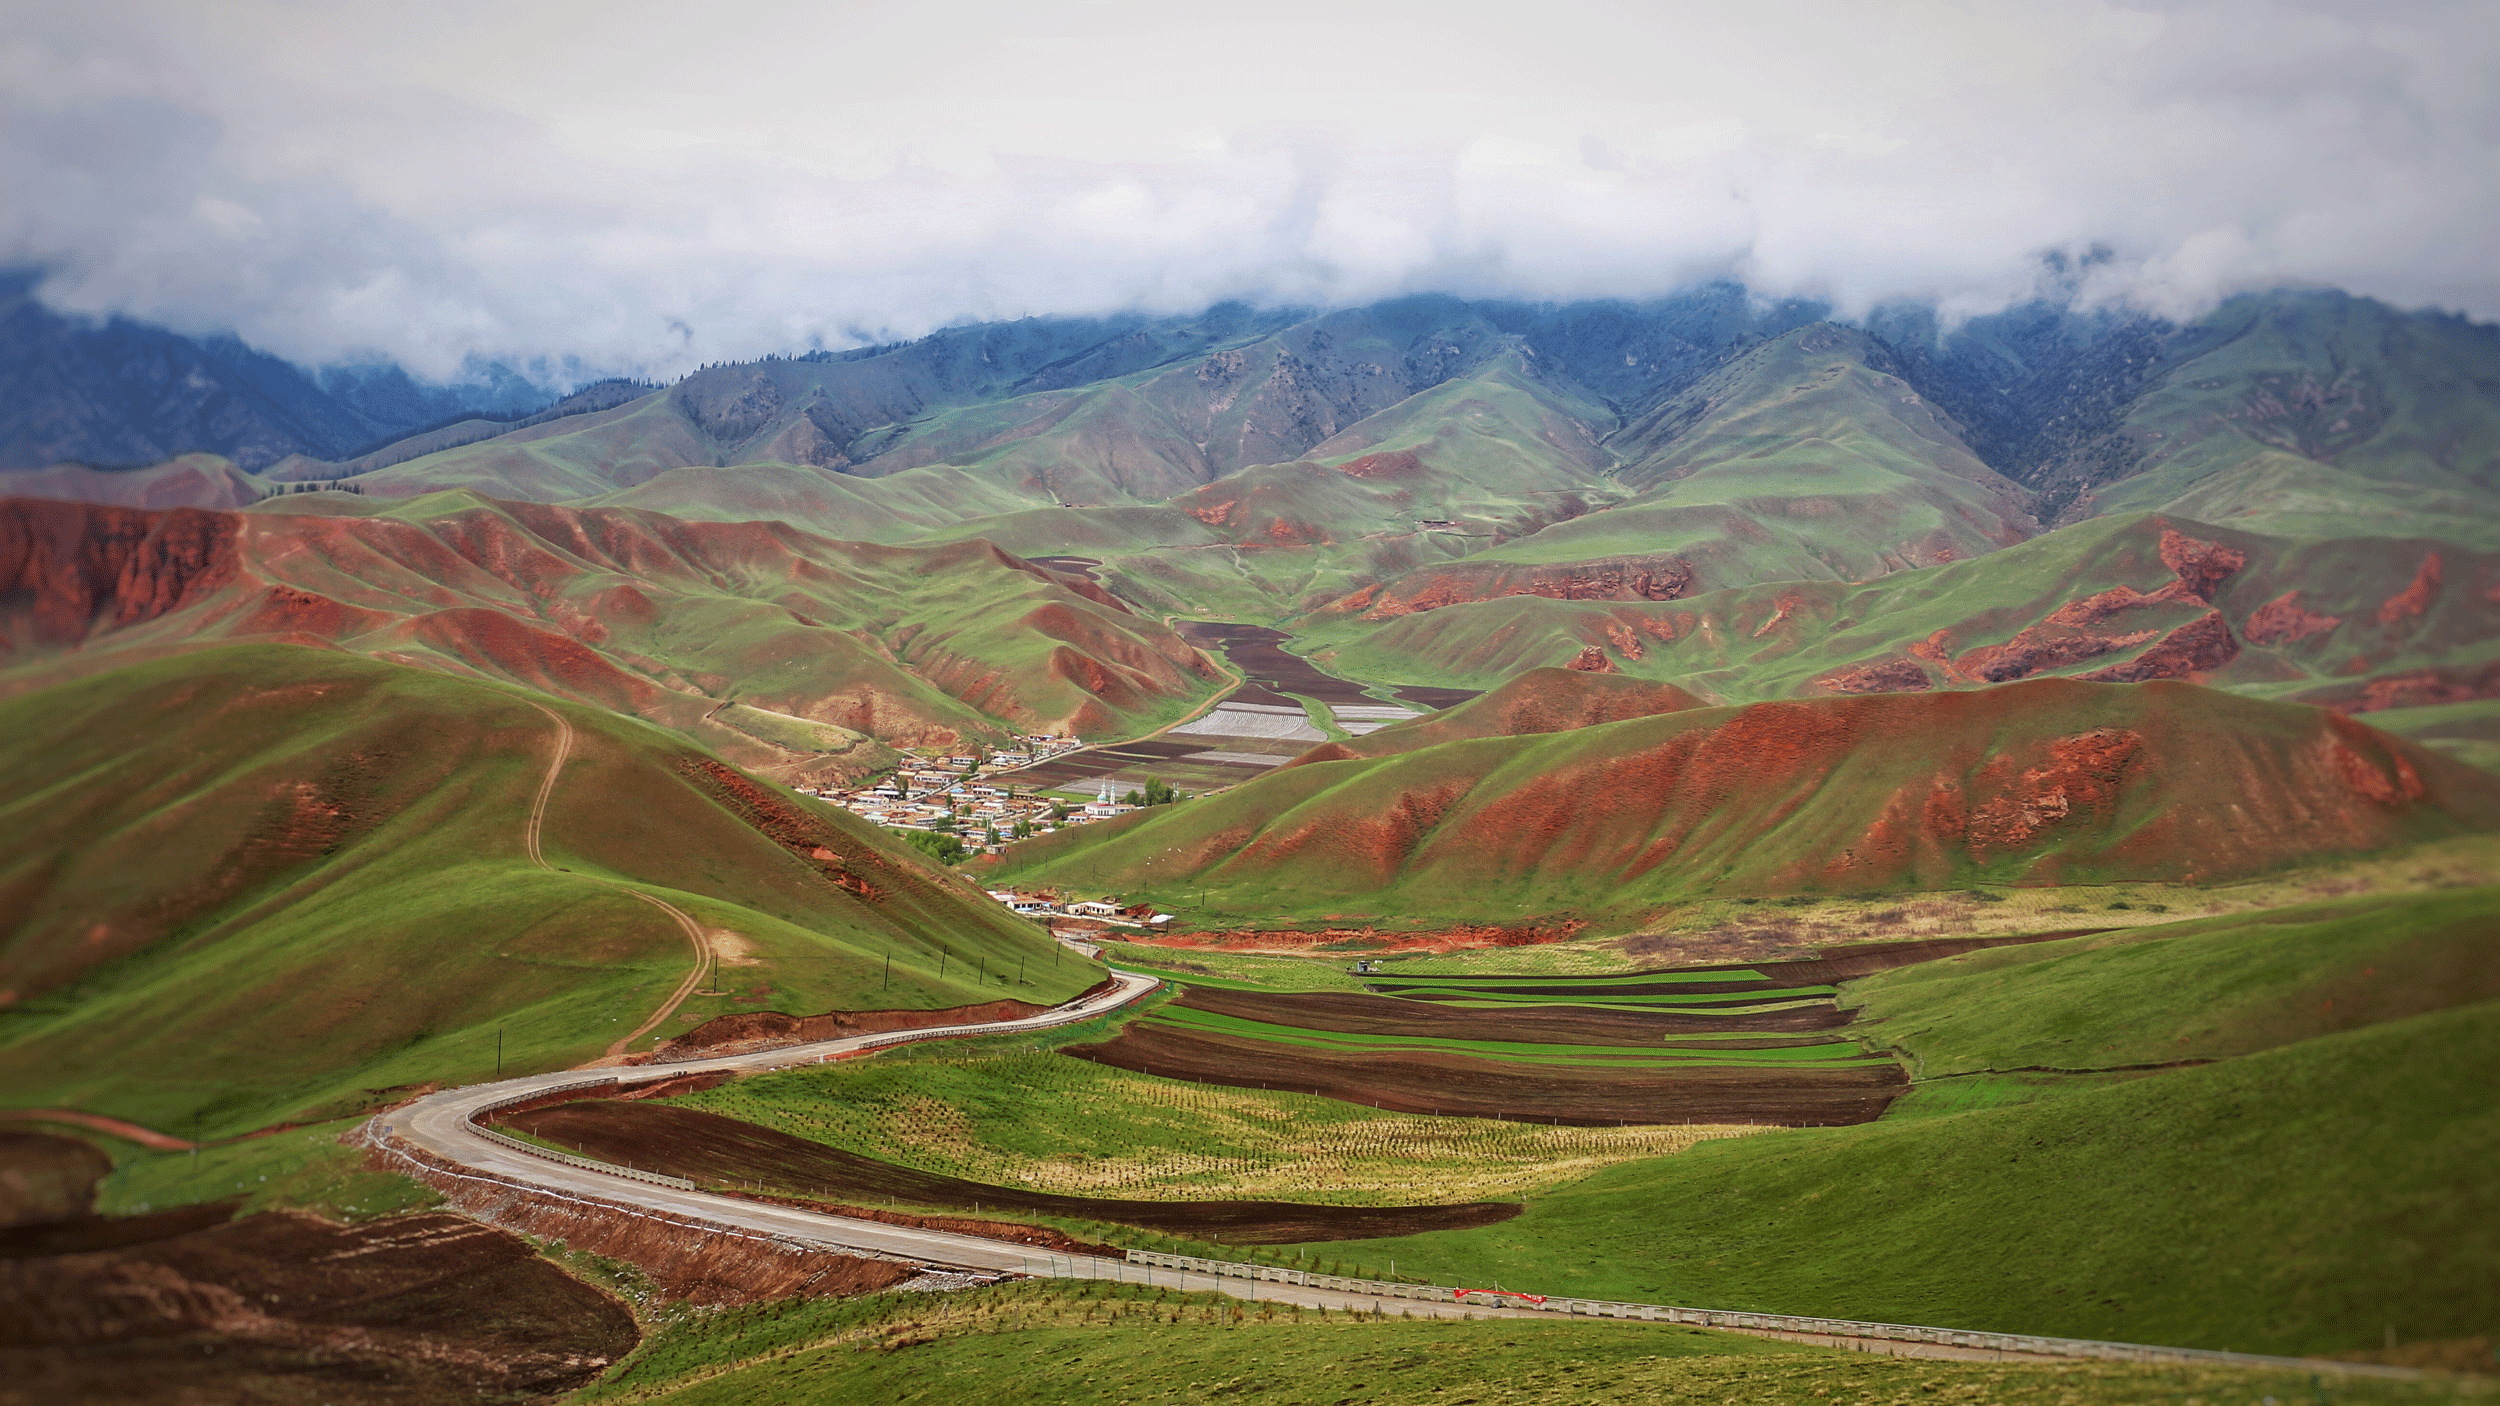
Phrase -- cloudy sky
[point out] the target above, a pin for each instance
(642, 187)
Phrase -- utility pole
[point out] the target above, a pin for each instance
(498, 1051)
(889, 970)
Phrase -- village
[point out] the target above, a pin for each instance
(974, 797)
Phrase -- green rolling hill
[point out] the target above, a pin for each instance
(263, 882)
(650, 615)
(2042, 782)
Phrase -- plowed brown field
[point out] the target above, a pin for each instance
(707, 1147)
(1260, 654)
(288, 1307)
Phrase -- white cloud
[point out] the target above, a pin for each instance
(643, 186)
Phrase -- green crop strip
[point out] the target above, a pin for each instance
(1183, 1017)
(1736, 1011)
(1790, 993)
(1574, 983)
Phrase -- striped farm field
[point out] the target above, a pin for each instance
(1703, 1045)
(1712, 1049)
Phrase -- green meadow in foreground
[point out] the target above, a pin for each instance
(2205, 989)
(2304, 1199)
(1062, 1343)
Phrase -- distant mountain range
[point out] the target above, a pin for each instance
(2295, 496)
(119, 394)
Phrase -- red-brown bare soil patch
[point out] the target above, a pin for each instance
(46, 1177)
(1260, 654)
(2283, 621)
(77, 566)
(288, 1307)
(2073, 632)
(1888, 676)
(1630, 578)
(707, 1147)
(1410, 1081)
(2199, 646)
(2416, 597)
(1434, 697)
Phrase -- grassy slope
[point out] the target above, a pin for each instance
(2321, 414)
(1054, 1343)
(1777, 640)
(1798, 461)
(1536, 700)
(1497, 452)
(1033, 1119)
(2303, 1199)
(667, 619)
(256, 882)
(2469, 732)
(945, 633)
(2209, 989)
(1836, 794)
(894, 509)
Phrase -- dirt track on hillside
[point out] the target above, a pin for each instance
(703, 1146)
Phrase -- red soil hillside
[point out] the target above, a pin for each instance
(636, 611)
(1540, 700)
(2355, 624)
(1623, 578)
(2039, 782)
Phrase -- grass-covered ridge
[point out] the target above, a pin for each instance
(2201, 990)
(2047, 781)
(1948, 625)
(320, 859)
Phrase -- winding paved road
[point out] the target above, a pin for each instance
(442, 1125)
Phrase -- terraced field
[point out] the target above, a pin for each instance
(725, 1152)
(1703, 1045)
(1259, 726)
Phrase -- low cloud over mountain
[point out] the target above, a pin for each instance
(640, 192)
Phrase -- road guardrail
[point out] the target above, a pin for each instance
(590, 1164)
(2023, 1343)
